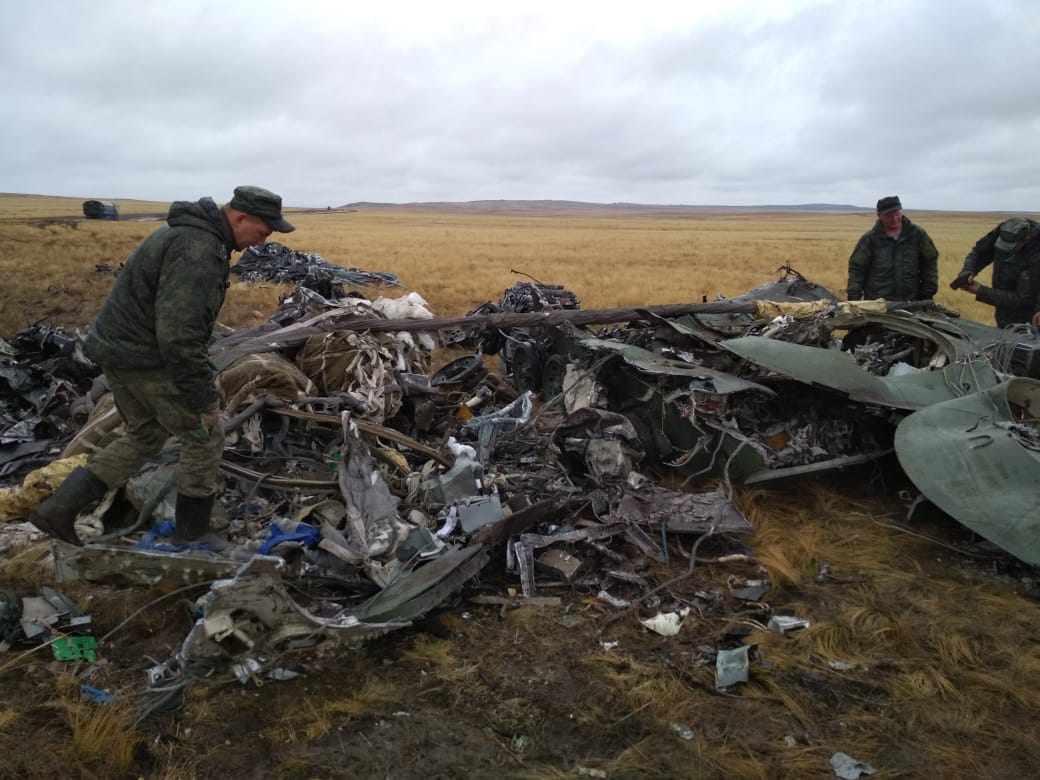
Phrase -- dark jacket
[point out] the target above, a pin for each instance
(905, 268)
(161, 311)
(1015, 293)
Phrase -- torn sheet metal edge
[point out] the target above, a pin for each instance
(831, 464)
(653, 363)
(695, 513)
(412, 594)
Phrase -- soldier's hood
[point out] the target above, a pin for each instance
(204, 214)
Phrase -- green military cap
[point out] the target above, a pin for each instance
(1011, 232)
(888, 204)
(261, 203)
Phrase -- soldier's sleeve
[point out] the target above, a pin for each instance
(981, 254)
(1023, 296)
(929, 264)
(189, 298)
(859, 264)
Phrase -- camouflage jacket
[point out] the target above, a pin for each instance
(1015, 292)
(905, 268)
(161, 311)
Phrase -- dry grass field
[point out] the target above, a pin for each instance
(457, 261)
(922, 657)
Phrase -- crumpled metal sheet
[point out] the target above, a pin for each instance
(43, 378)
(272, 261)
(703, 377)
(603, 443)
(371, 521)
(695, 513)
(250, 620)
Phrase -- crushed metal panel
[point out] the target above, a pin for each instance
(560, 563)
(649, 362)
(548, 510)
(478, 511)
(251, 619)
(953, 344)
(412, 594)
(838, 371)
(831, 464)
(696, 513)
(523, 550)
(978, 459)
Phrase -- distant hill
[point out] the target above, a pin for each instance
(574, 206)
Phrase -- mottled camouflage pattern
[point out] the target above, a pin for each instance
(153, 409)
(263, 204)
(901, 269)
(1015, 292)
(161, 311)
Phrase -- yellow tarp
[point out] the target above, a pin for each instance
(767, 310)
(16, 503)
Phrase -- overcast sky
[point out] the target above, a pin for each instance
(724, 102)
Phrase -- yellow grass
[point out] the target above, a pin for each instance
(458, 261)
(909, 663)
(102, 738)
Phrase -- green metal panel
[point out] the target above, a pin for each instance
(978, 459)
(836, 370)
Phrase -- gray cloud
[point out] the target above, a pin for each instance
(662, 103)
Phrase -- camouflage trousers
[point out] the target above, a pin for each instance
(153, 410)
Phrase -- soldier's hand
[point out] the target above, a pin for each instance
(210, 419)
(1035, 322)
(962, 279)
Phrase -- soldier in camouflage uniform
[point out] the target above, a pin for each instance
(151, 340)
(896, 260)
(1013, 247)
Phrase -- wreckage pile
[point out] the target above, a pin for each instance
(45, 393)
(380, 490)
(274, 262)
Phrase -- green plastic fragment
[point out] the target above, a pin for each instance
(74, 648)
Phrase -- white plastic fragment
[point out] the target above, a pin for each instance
(666, 623)
(848, 768)
(450, 522)
(281, 674)
(682, 731)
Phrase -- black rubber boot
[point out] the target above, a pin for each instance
(57, 514)
(192, 517)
